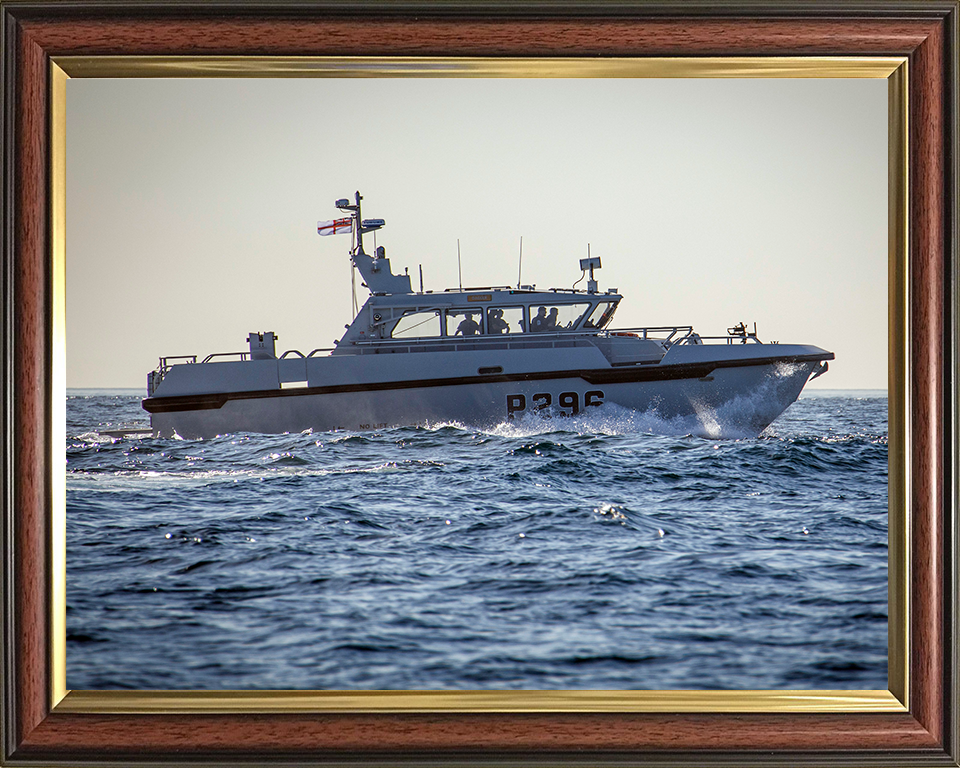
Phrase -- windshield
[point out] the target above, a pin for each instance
(601, 315)
(548, 318)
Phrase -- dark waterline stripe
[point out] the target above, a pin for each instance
(596, 376)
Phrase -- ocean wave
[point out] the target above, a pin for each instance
(609, 550)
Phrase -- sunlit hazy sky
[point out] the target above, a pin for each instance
(192, 206)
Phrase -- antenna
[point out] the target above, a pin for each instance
(520, 268)
(591, 264)
(459, 270)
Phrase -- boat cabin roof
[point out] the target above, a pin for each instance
(527, 294)
(472, 312)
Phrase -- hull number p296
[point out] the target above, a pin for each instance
(568, 403)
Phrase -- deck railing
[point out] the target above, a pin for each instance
(668, 335)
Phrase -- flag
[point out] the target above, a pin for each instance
(335, 227)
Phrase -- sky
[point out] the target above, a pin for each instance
(192, 206)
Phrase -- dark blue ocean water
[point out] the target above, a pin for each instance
(597, 553)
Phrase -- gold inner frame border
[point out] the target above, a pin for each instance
(895, 699)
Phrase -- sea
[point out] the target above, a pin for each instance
(611, 551)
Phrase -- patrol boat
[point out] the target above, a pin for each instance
(479, 357)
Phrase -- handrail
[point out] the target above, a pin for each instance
(485, 343)
(157, 376)
(480, 288)
(164, 364)
(644, 332)
(664, 334)
(243, 355)
(477, 339)
(730, 339)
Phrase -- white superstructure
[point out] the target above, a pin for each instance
(477, 356)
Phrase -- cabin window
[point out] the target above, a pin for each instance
(547, 318)
(601, 315)
(417, 324)
(465, 322)
(503, 320)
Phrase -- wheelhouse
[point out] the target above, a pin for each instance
(491, 315)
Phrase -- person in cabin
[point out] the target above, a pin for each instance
(496, 323)
(468, 326)
(539, 323)
(551, 324)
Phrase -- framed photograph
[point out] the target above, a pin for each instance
(405, 579)
(535, 49)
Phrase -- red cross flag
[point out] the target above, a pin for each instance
(335, 227)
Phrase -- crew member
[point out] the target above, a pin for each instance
(468, 326)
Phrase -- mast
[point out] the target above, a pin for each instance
(359, 224)
(344, 205)
(376, 272)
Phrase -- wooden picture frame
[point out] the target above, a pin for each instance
(41, 727)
